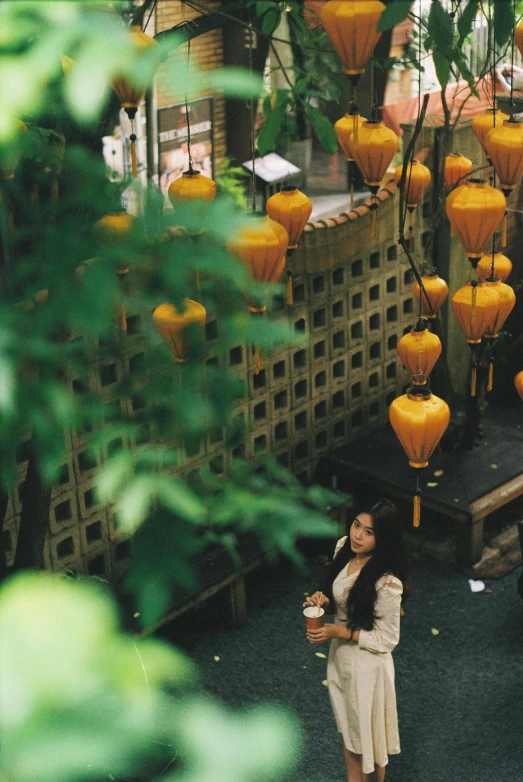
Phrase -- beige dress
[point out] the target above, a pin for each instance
(361, 675)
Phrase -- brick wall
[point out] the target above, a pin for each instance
(206, 51)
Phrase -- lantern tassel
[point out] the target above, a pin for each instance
(123, 317)
(490, 375)
(258, 364)
(416, 515)
(290, 297)
(473, 307)
(373, 221)
(134, 161)
(355, 127)
(473, 380)
(504, 232)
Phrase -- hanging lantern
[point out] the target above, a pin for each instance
(504, 145)
(502, 267)
(352, 26)
(11, 159)
(518, 382)
(436, 290)
(476, 211)
(345, 127)
(416, 182)
(419, 350)
(131, 96)
(419, 419)
(506, 302)
(290, 208)
(373, 154)
(193, 186)
(262, 246)
(375, 150)
(178, 329)
(112, 228)
(475, 306)
(457, 167)
(485, 122)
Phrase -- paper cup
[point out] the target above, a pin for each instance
(313, 619)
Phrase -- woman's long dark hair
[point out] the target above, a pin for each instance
(389, 557)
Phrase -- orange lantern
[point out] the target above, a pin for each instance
(374, 152)
(352, 26)
(193, 186)
(419, 350)
(518, 382)
(436, 291)
(130, 96)
(476, 211)
(502, 267)
(112, 228)
(518, 37)
(416, 182)
(485, 122)
(507, 300)
(419, 419)
(457, 167)
(9, 162)
(504, 145)
(177, 328)
(290, 208)
(345, 127)
(262, 245)
(475, 306)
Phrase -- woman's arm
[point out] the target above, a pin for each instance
(385, 634)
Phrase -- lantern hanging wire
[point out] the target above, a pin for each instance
(253, 125)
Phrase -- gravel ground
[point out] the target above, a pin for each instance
(459, 692)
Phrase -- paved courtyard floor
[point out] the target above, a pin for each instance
(459, 691)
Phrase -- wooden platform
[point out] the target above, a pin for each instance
(472, 485)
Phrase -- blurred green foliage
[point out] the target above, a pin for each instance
(79, 699)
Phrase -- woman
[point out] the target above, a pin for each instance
(364, 586)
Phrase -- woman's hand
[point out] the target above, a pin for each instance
(317, 599)
(325, 633)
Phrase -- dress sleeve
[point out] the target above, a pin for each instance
(385, 634)
(340, 544)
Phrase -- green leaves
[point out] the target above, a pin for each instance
(394, 13)
(504, 21)
(466, 20)
(440, 28)
(442, 65)
(324, 129)
(67, 671)
(271, 128)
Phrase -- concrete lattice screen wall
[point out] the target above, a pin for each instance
(352, 298)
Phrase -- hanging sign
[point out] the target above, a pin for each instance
(173, 157)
